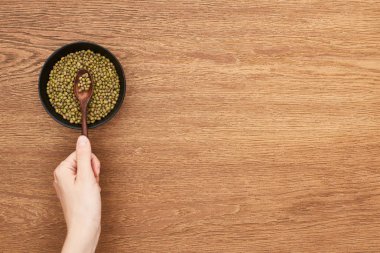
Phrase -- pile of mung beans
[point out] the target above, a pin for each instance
(106, 86)
(84, 82)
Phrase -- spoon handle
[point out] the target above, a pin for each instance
(83, 108)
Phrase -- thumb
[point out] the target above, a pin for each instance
(83, 151)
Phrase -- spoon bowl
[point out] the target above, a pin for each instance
(83, 97)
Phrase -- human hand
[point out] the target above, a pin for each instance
(76, 181)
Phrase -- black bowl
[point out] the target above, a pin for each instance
(56, 56)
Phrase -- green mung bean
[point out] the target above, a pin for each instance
(106, 85)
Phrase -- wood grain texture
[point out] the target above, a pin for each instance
(248, 126)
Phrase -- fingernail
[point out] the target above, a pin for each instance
(82, 141)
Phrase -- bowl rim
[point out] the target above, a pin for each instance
(121, 94)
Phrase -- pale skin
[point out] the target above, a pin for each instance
(76, 181)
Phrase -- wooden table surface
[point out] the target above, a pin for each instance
(248, 126)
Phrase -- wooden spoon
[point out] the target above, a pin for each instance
(83, 98)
